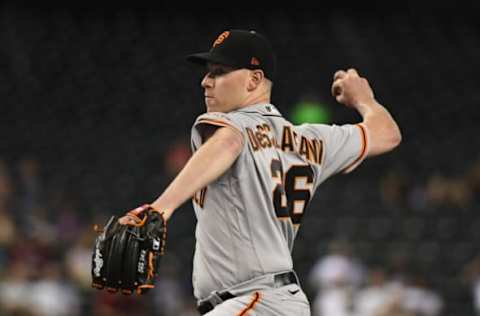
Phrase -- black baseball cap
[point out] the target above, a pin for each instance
(240, 49)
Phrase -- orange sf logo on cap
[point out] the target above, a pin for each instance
(254, 61)
(221, 38)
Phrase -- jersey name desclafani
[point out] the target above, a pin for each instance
(262, 138)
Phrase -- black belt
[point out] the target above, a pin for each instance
(280, 280)
(207, 306)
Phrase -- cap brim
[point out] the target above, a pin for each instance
(208, 57)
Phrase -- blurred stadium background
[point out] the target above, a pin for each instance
(96, 108)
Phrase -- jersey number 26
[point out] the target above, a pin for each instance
(292, 191)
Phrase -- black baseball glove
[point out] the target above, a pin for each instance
(126, 257)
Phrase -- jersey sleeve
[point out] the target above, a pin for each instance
(344, 147)
(215, 120)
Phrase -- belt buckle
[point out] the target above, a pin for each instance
(285, 278)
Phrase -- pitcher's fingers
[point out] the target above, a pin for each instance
(128, 220)
(352, 71)
(139, 210)
(123, 220)
(339, 74)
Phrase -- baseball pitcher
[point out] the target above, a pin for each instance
(253, 174)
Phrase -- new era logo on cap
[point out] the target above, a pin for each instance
(239, 49)
(254, 61)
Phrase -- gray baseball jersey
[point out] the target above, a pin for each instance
(248, 218)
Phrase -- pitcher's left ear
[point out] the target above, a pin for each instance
(256, 77)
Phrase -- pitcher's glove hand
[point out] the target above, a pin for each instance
(127, 253)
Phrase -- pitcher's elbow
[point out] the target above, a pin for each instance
(395, 139)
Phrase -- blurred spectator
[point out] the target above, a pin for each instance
(40, 226)
(168, 295)
(334, 302)
(336, 276)
(7, 234)
(417, 197)
(52, 294)
(15, 294)
(31, 251)
(394, 307)
(337, 268)
(419, 298)
(378, 296)
(398, 263)
(437, 190)
(78, 259)
(7, 228)
(68, 224)
(453, 192)
(460, 194)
